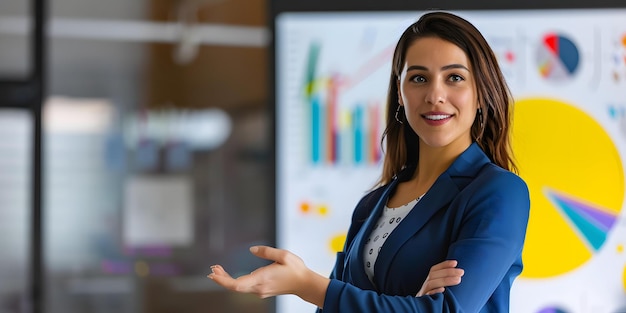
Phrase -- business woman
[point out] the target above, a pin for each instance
(447, 192)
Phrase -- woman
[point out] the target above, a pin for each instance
(446, 192)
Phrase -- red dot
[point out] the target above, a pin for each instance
(509, 56)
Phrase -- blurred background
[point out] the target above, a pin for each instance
(156, 153)
(143, 141)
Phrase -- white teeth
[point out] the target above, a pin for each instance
(436, 117)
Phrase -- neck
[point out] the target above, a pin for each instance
(434, 161)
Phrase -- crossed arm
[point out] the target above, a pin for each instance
(289, 275)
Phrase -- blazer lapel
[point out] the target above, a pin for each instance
(356, 268)
(445, 189)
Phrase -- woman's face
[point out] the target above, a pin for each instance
(438, 92)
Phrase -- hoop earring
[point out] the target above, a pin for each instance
(397, 112)
(482, 124)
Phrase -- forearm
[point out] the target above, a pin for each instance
(314, 288)
(345, 297)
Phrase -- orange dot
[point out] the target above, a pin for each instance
(322, 210)
(624, 40)
(305, 207)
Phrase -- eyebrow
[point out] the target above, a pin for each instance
(445, 67)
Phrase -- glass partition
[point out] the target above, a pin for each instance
(15, 218)
(143, 195)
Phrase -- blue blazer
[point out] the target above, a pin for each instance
(475, 213)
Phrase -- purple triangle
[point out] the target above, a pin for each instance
(600, 217)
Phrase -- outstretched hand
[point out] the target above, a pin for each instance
(286, 275)
(441, 275)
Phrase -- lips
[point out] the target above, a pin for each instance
(436, 117)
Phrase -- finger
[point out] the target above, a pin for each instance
(442, 282)
(219, 272)
(434, 281)
(270, 253)
(436, 290)
(444, 264)
(219, 275)
(242, 284)
(218, 269)
(448, 272)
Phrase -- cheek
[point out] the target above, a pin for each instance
(467, 100)
(412, 96)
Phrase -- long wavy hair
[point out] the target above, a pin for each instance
(494, 96)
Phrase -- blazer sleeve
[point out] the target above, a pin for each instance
(490, 241)
(360, 214)
(487, 245)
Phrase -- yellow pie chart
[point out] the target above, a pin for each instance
(575, 177)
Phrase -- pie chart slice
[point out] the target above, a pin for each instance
(576, 182)
(591, 223)
(557, 57)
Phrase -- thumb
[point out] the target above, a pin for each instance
(270, 253)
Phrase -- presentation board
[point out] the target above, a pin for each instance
(567, 72)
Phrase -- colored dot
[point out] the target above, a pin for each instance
(620, 248)
(305, 207)
(337, 243)
(509, 56)
(612, 112)
(142, 269)
(322, 210)
(624, 40)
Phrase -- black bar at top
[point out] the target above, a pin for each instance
(278, 6)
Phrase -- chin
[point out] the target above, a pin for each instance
(436, 143)
(444, 142)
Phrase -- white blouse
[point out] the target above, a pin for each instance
(388, 221)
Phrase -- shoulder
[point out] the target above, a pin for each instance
(367, 203)
(493, 178)
(495, 190)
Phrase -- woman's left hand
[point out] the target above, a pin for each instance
(441, 275)
(287, 275)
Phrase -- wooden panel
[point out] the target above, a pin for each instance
(232, 78)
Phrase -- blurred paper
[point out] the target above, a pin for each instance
(158, 211)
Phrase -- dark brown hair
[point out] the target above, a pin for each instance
(494, 96)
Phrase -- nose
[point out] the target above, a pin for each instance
(436, 93)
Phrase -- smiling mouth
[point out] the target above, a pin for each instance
(437, 117)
